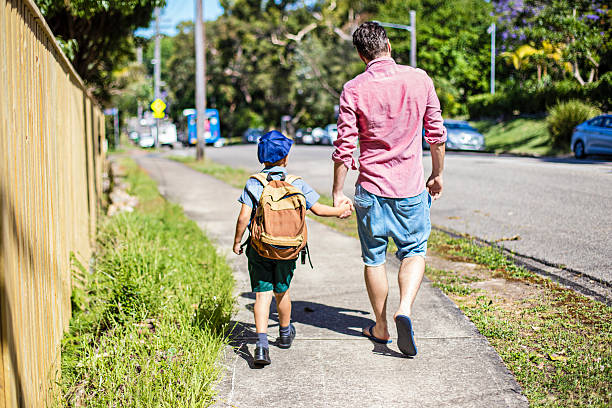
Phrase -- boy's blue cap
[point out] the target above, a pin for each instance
(273, 146)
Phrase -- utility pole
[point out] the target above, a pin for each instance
(412, 29)
(200, 40)
(157, 70)
(413, 45)
(157, 57)
(491, 30)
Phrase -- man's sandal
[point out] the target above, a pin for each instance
(374, 338)
(405, 336)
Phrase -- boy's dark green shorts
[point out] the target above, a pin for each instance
(269, 274)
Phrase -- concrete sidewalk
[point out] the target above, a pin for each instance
(330, 364)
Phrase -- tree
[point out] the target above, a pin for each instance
(579, 29)
(180, 72)
(578, 26)
(452, 44)
(97, 35)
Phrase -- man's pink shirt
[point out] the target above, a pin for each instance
(385, 109)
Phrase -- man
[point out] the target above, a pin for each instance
(385, 108)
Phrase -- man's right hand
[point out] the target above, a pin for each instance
(434, 186)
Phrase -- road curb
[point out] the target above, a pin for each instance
(577, 281)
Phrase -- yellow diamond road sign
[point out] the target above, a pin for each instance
(158, 106)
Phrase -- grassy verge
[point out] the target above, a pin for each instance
(557, 343)
(149, 324)
(521, 136)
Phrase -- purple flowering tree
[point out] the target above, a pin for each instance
(579, 30)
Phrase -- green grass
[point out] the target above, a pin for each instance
(150, 321)
(557, 343)
(520, 136)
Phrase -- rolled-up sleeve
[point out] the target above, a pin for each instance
(435, 132)
(348, 133)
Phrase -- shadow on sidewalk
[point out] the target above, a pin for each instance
(337, 319)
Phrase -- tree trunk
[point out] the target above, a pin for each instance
(577, 74)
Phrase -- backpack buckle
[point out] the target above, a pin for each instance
(270, 174)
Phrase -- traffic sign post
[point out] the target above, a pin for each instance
(158, 106)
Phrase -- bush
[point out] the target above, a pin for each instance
(564, 117)
(537, 98)
(450, 98)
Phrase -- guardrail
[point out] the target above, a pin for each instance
(51, 158)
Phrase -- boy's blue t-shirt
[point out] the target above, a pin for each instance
(256, 188)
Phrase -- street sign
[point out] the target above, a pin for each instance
(158, 106)
(159, 115)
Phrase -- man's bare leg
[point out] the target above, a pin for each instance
(410, 276)
(378, 289)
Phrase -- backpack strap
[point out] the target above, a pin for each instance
(303, 253)
(290, 178)
(262, 178)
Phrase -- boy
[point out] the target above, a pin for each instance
(271, 275)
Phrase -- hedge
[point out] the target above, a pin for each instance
(540, 99)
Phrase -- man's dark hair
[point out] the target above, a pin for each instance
(370, 39)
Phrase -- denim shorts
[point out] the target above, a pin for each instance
(406, 220)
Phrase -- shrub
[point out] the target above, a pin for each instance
(534, 98)
(564, 117)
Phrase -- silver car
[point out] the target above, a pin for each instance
(593, 137)
(460, 136)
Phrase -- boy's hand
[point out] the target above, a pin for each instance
(237, 249)
(346, 210)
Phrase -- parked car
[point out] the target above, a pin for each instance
(252, 135)
(593, 137)
(304, 135)
(460, 136)
(167, 134)
(146, 140)
(318, 134)
(326, 139)
(332, 132)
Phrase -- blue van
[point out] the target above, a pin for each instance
(213, 126)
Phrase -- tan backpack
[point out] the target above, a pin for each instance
(278, 227)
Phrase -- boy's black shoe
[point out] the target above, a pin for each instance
(284, 342)
(262, 356)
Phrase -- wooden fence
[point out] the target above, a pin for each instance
(51, 159)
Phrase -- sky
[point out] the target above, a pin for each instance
(181, 10)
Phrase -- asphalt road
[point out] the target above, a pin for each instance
(560, 209)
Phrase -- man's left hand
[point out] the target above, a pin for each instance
(434, 186)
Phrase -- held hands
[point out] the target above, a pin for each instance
(345, 209)
(237, 249)
(434, 186)
(345, 203)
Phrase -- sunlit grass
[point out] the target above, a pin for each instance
(150, 323)
(522, 136)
